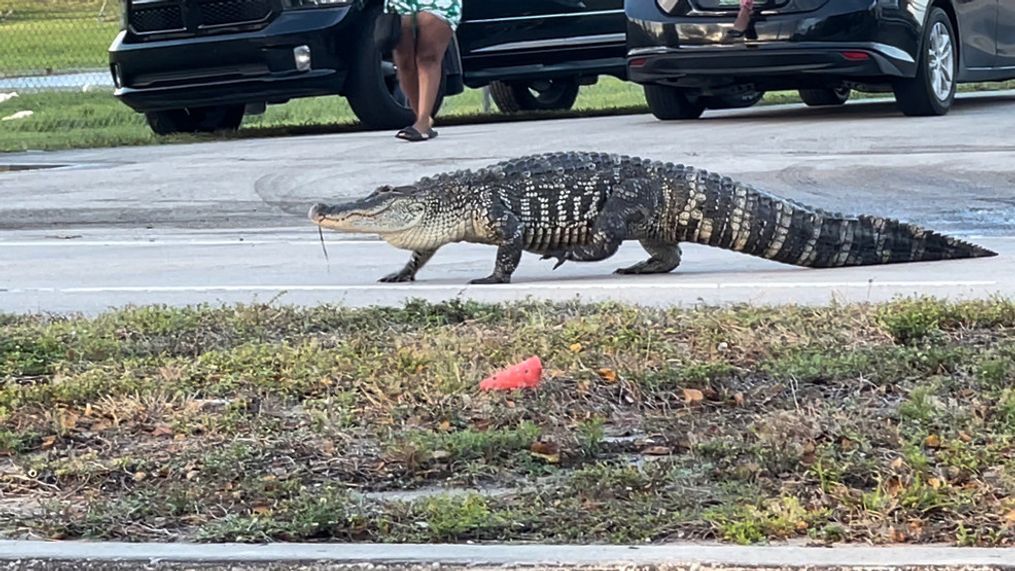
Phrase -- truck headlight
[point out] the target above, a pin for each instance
(314, 3)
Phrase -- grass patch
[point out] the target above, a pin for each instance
(255, 423)
(45, 36)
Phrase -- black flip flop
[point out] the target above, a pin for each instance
(412, 135)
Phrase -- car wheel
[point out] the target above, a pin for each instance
(373, 91)
(737, 101)
(932, 91)
(669, 103)
(557, 94)
(825, 97)
(196, 119)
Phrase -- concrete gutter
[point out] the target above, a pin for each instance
(31, 554)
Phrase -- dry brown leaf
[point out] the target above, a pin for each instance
(68, 420)
(48, 442)
(934, 483)
(192, 474)
(738, 399)
(575, 347)
(444, 426)
(932, 441)
(1010, 517)
(899, 535)
(608, 375)
(440, 455)
(162, 430)
(261, 510)
(139, 476)
(657, 451)
(897, 463)
(547, 451)
(693, 396)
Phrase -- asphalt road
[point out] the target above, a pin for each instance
(225, 222)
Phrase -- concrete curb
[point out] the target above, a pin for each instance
(693, 555)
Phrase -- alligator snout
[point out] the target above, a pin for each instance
(317, 212)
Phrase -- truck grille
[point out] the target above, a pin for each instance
(226, 12)
(148, 17)
(145, 19)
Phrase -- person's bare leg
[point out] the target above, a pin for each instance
(434, 36)
(743, 16)
(405, 61)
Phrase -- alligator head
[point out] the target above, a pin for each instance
(387, 210)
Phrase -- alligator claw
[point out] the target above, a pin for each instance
(561, 257)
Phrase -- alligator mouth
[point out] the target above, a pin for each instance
(317, 213)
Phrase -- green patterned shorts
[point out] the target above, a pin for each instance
(448, 10)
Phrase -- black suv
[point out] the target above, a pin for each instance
(919, 49)
(199, 65)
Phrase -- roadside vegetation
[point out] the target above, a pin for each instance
(38, 37)
(889, 423)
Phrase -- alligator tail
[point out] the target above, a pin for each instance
(738, 217)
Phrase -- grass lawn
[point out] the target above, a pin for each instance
(891, 423)
(50, 35)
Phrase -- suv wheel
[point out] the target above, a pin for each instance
(196, 119)
(932, 91)
(737, 101)
(373, 91)
(668, 103)
(826, 96)
(557, 94)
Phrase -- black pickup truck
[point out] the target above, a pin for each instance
(200, 65)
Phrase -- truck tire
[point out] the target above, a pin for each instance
(196, 119)
(669, 103)
(932, 91)
(372, 90)
(557, 94)
(824, 97)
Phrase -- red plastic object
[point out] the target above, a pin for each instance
(524, 375)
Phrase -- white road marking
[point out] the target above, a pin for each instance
(506, 287)
(60, 242)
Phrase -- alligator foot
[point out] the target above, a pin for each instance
(494, 279)
(400, 276)
(560, 255)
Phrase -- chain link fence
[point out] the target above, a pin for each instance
(56, 44)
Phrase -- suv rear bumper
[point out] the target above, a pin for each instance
(848, 39)
(247, 67)
(772, 60)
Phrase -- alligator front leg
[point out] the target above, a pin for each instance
(408, 273)
(506, 231)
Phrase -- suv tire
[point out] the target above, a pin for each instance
(737, 101)
(668, 103)
(825, 97)
(932, 91)
(372, 90)
(557, 94)
(196, 119)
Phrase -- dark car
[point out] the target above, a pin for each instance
(681, 50)
(200, 65)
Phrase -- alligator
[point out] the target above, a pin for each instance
(580, 206)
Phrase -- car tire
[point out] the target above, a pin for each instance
(932, 91)
(196, 119)
(557, 94)
(737, 101)
(669, 103)
(825, 97)
(372, 90)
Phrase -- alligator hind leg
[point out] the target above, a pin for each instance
(628, 206)
(664, 258)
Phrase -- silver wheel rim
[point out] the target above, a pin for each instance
(941, 61)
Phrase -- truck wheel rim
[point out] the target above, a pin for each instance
(941, 60)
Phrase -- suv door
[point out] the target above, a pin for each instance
(978, 32)
(1006, 34)
(508, 33)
